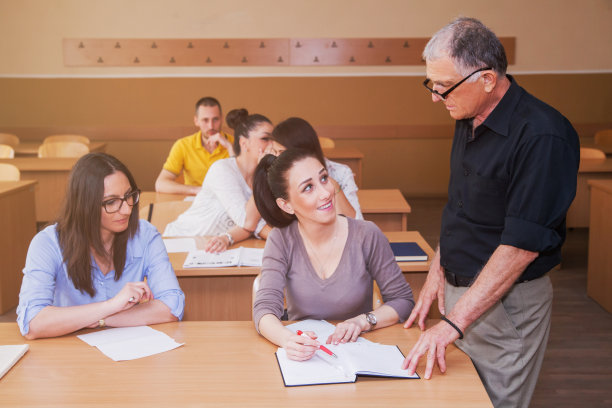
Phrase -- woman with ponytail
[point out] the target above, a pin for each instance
(323, 262)
(224, 208)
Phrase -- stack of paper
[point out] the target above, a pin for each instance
(129, 343)
(9, 355)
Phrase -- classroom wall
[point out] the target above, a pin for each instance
(562, 56)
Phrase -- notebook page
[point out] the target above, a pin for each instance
(9, 355)
(317, 370)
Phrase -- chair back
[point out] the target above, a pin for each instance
(63, 149)
(9, 172)
(67, 138)
(326, 142)
(6, 152)
(588, 153)
(163, 213)
(603, 136)
(9, 139)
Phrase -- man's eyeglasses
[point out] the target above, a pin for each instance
(444, 95)
(113, 205)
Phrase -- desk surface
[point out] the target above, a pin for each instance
(595, 165)
(382, 201)
(10, 187)
(49, 164)
(178, 258)
(221, 363)
(31, 148)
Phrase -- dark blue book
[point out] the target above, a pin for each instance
(408, 251)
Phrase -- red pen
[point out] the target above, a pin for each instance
(322, 347)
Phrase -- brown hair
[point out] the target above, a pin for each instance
(297, 133)
(78, 224)
(242, 123)
(270, 182)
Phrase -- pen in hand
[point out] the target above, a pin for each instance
(321, 347)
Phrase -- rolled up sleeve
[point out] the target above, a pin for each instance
(161, 277)
(540, 192)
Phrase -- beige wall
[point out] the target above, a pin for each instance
(383, 111)
(552, 35)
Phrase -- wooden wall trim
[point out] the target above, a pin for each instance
(337, 132)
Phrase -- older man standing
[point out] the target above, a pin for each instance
(514, 164)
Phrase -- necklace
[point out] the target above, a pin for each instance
(321, 266)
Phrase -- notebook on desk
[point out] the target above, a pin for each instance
(9, 355)
(408, 251)
(361, 358)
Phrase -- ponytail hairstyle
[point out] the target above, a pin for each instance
(242, 123)
(78, 224)
(271, 182)
(296, 133)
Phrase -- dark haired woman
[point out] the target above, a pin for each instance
(296, 133)
(324, 263)
(224, 208)
(89, 269)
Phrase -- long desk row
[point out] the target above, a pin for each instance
(387, 208)
(221, 364)
(226, 293)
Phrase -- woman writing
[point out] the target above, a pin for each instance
(298, 133)
(224, 208)
(89, 269)
(325, 263)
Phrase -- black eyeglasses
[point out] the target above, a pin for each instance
(113, 205)
(452, 88)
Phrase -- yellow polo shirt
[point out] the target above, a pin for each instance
(188, 155)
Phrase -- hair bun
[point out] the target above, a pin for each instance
(235, 117)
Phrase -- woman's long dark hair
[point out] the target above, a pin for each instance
(78, 224)
(271, 182)
(242, 123)
(297, 133)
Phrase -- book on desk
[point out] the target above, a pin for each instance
(9, 355)
(353, 359)
(408, 251)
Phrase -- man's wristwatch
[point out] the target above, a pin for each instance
(371, 319)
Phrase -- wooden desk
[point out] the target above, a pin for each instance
(349, 156)
(221, 364)
(386, 208)
(599, 278)
(578, 214)
(52, 176)
(30, 149)
(226, 293)
(18, 229)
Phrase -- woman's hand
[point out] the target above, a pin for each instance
(217, 244)
(132, 294)
(301, 347)
(348, 330)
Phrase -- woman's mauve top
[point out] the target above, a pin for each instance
(347, 293)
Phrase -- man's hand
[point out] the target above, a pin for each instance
(432, 290)
(433, 342)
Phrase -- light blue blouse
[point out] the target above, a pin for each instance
(46, 281)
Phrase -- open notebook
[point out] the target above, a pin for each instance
(9, 355)
(241, 256)
(362, 358)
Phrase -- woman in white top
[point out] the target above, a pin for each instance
(224, 207)
(298, 133)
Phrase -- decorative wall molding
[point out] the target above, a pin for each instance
(250, 52)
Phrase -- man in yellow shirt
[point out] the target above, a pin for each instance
(193, 155)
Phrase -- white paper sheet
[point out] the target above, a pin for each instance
(180, 245)
(129, 343)
(189, 198)
(9, 355)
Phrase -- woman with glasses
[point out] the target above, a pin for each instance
(98, 265)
